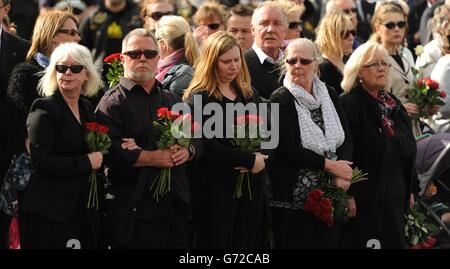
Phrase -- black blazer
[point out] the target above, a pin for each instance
(59, 157)
(290, 156)
(369, 154)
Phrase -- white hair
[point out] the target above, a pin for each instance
(268, 4)
(80, 54)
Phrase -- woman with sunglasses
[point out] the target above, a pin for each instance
(313, 150)
(383, 147)
(153, 10)
(55, 213)
(293, 12)
(209, 18)
(220, 220)
(335, 36)
(178, 52)
(390, 24)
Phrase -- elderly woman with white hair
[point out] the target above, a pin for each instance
(313, 150)
(55, 205)
(383, 146)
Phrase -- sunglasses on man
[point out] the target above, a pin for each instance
(303, 61)
(136, 54)
(157, 15)
(294, 25)
(391, 25)
(346, 34)
(71, 32)
(62, 68)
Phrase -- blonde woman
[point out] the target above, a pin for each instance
(221, 78)
(294, 13)
(335, 36)
(178, 53)
(210, 17)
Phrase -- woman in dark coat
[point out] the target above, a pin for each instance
(314, 149)
(55, 213)
(221, 221)
(383, 147)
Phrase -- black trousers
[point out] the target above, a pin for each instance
(5, 221)
(298, 229)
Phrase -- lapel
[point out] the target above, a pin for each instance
(406, 75)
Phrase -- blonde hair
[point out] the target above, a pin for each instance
(289, 7)
(209, 9)
(329, 33)
(380, 10)
(205, 75)
(360, 57)
(80, 54)
(177, 32)
(46, 27)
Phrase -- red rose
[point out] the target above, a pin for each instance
(443, 94)
(102, 129)
(91, 126)
(162, 112)
(195, 127)
(432, 83)
(111, 58)
(249, 119)
(430, 241)
(173, 115)
(419, 82)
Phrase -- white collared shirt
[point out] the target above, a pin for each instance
(262, 56)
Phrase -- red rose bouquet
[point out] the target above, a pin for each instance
(425, 93)
(97, 139)
(115, 70)
(328, 203)
(175, 129)
(247, 138)
(418, 231)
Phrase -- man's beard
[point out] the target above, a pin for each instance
(140, 76)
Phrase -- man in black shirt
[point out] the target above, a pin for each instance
(129, 110)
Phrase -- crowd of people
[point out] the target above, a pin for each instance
(334, 73)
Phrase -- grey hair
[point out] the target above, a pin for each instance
(80, 54)
(299, 42)
(139, 32)
(268, 4)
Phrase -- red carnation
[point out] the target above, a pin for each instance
(91, 126)
(113, 57)
(102, 129)
(443, 94)
(162, 112)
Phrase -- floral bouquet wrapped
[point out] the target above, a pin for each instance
(425, 93)
(418, 231)
(175, 129)
(97, 139)
(329, 203)
(247, 138)
(115, 70)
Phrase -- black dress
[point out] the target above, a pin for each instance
(55, 213)
(331, 75)
(382, 200)
(221, 221)
(293, 172)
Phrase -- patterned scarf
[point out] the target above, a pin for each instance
(387, 104)
(165, 64)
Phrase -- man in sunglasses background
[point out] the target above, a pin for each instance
(363, 29)
(209, 18)
(128, 110)
(153, 10)
(103, 31)
(269, 25)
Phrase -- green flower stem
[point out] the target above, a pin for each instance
(161, 184)
(93, 195)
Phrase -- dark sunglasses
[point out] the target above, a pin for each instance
(71, 32)
(157, 15)
(391, 25)
(448, 38)
(347, 33)
(62, 68)
(348, 10)
(213, 26)
(136, 54)
(293, 61)
(294, 25)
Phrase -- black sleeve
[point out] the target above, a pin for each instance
(42, 133)
(296, 156)
(110, 115)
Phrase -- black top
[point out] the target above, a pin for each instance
(59, 157)
(331, 75)
(375, 153)
(265, 77)
(290, 156)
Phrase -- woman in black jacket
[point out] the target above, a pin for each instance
(55, 212)
(314, 149)
(221, 221)
(383, 147)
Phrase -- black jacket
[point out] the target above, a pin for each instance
(369, 154)
(290, 156)
(178, 77)
(59, 157)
